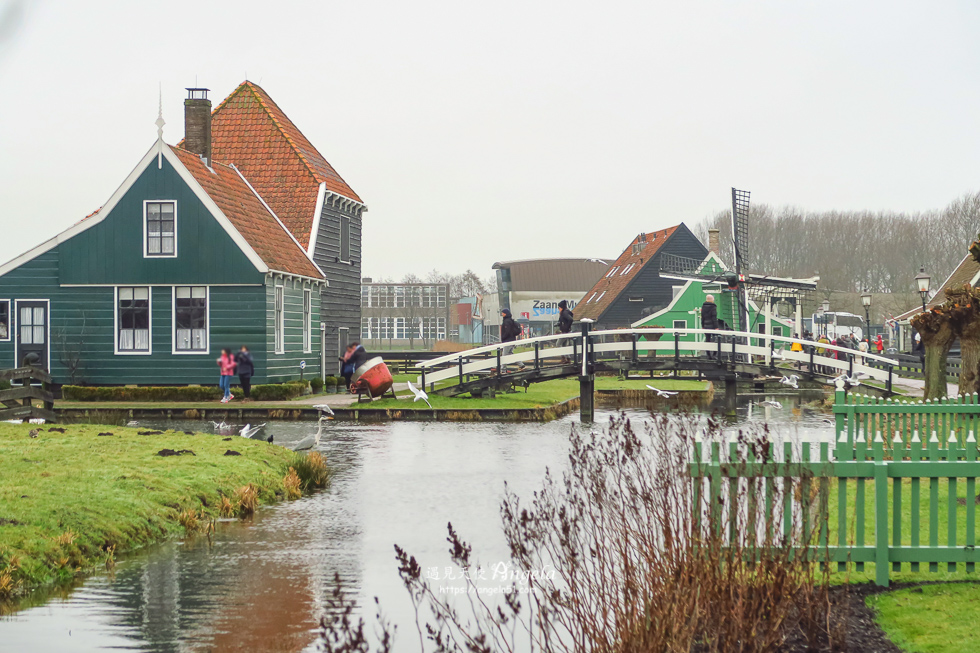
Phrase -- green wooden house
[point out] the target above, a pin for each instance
(684, 310)
(184, 259)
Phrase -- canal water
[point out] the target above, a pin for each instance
(261, 585)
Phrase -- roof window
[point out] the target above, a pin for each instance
(612, 272)
(627, 269)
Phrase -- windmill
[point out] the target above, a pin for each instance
(762, 287)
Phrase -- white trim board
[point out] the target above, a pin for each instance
(321, 194)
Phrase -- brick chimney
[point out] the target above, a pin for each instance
(197, 123)
(714, 241)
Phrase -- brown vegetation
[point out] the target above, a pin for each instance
(625, 553)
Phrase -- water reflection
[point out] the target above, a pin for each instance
(262, 585)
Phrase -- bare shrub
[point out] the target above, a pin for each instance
(247, 500)
(640, 557)
(292, 484)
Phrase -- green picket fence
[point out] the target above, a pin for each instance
(920, 508)
(860, 417)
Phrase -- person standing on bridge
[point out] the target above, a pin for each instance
(565, 319)
(709, 319)
(509, 330)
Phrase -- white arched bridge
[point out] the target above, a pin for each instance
(713, 354)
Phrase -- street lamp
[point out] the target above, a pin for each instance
(825, 308)
(866, 302)
(922, 280)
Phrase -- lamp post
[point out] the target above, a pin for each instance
(922, 281)
(825, 308)
(866, 302)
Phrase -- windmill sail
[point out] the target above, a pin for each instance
(740, 240)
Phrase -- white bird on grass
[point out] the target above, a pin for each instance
(14, 421)
(661, 393)
(36, 420)
(133, 423)
(791, 381)
(772, 403)
(419, 394)
(249, 431)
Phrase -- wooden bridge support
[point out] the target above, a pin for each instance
(586, 379)
(731, 395)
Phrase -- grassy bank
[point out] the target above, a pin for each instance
(540, 395)
(76, 499)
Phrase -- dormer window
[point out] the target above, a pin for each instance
(160, 229)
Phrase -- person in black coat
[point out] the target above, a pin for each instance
(246, 368)
(709, 318)
(565, 319)
(509, 331)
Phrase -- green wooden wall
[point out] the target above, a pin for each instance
(111, 252)
(82, 321)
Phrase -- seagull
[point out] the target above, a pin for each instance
(36, 420)
(132, 423)
(324, 408)
(249, 431)
(778, 353)
(772, 403)
(596, 260)
(217, 427)
(847, 379)
(419, 394)
(661, 393)
(14, 421)
(311, 441)
(790, 381)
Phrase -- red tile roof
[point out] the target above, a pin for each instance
(965, 272)
(266, 235)
(620, 274)
(249, 130)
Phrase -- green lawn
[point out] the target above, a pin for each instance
(66, 498)
(932, 618)
(539, 395)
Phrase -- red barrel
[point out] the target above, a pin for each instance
(373, 377)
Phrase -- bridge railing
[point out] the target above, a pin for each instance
(657, 342)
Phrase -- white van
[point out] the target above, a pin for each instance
(834, 325)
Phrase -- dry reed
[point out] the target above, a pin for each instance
(292, 484)
(246, 500)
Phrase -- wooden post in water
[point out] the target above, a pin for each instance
(731, 395)
(586, 379)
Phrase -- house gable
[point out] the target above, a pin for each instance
(108, 248)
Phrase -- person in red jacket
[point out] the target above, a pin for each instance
(226, 364)
(879, 345)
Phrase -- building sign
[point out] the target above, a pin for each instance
(541, 307)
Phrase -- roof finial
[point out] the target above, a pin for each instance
(160, 121)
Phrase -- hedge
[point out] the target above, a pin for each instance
(271, 392)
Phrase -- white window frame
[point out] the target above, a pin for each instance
(612, 271)
(308, 321)
(279, 318)
(146, 253)
(682, 325)
(207, 323)
(10, 320)
(115, 322)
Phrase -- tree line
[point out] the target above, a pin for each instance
(854, 251)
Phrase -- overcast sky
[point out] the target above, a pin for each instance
(480, 132)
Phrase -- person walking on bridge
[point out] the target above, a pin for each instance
(565, 319)
(509, 330)
(709, 319)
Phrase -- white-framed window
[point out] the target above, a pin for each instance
(366, 328)
(307, 320)
(612, 271)
(159, 229)
(132, 318)
(592, 297)
(636, 299)
(366, 296)
(279, 317)
(344, 239)
(191, 320)
(675, 291)
(680, 324)
(5, 327)
(384, 328)
(601, 296)
(400, 328)
(440, 328)
(627, 269)
(777, 330)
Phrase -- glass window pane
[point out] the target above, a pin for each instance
(199, 292)
(152, 209)
(140, 293)
(39, 315)
(25, 335)
(25, 315)
(39, 335)
(125, 293)
(183, 292)
(167, 209)
(167, 245)
(153, 246)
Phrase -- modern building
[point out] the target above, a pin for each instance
(632, 287)
(532, 288)
(189, 255)
(319, 208)
(395, 315)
